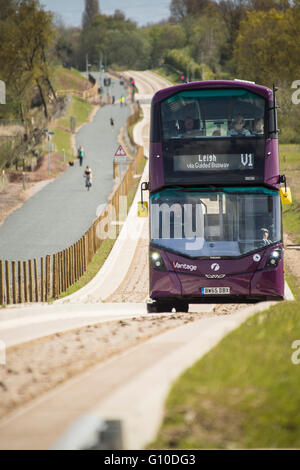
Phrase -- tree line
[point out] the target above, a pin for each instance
(257, 40)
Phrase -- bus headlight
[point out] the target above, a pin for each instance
(156, 260)
(273, 258)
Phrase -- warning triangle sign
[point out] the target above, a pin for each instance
(120, 152)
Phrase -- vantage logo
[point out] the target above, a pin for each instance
(189, 267)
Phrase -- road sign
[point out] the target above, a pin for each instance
(120, 152)
(122, 159)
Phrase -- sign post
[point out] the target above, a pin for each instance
(120, 158)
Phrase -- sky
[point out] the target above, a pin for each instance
(141, 11)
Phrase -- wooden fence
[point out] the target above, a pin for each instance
(44, 279)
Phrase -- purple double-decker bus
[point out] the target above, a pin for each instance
(214, 182)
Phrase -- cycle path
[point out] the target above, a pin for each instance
(59, 214)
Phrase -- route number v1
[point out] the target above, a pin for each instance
(247, 159)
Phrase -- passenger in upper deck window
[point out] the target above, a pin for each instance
(189, 127)
(238, 128)
(258, 126)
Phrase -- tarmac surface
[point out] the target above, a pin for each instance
(59, 214)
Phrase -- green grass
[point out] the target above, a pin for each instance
(93, 268)
(166, 73)
(244, 393)
(65, 79)
(290, 166)
(62, 140)
(81, 110)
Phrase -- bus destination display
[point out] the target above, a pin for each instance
(214, 162)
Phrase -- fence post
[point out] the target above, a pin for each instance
(25, 277)
(14, 281)
(71, 266)
(36, 280)
(47, 277)
(54, 276)
(7, 279)
(59, 276)
(85, 252)
(80, 257)
(68, 268)
(20, 294)
(76, 261)
(63, 271)
(30, 281)
(2, 297)
(42, 280)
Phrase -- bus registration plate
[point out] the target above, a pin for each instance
(215, 290)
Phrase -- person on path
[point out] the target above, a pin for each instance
(112, 122)
(88, 177)
(80, 154)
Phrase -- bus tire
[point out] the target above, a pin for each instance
(159, 307)
(182, 307)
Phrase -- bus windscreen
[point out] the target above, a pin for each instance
(213, 113)
(213, 132)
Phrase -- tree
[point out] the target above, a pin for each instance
(26, 35)
(91, 9)
(273, 37)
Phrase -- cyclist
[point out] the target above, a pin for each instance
(88, 177)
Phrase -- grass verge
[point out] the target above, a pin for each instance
(166, 73)
(290, 166)
(78, 108)
(243, 393)
(93, 268)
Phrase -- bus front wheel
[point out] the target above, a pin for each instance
(159, 307)
(182, 307)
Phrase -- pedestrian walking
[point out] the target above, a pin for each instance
(80, 154)
(112, 122)
(113, 100)
(122, 100)
(88, 177)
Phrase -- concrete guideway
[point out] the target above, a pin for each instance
(131, 386)
(40, 321)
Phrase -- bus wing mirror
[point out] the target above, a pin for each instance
(142, 209)
(286, 195)
(143, 205)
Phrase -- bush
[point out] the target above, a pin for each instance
(181, 60)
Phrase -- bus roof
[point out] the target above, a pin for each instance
(253, 87)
